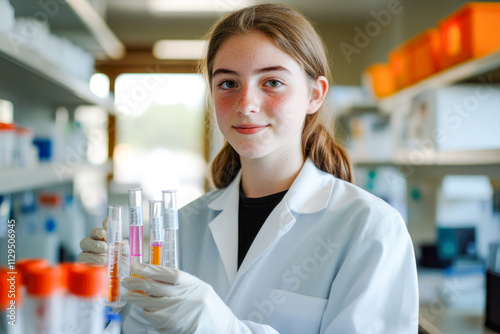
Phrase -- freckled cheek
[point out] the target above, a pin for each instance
(277, 104)
(224, 105)
(223, 111)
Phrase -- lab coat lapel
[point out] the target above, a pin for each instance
(224, 227)
(276, 225)
(309, 193)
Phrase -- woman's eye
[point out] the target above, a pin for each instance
(228, 84)
(274, 83)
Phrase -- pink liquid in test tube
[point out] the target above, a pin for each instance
(136, 225)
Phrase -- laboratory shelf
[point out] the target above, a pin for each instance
(370, 161)
(43, 175)
(78, 21)
(356, 109)
(448, 158)
(29, 77)
(485, 70)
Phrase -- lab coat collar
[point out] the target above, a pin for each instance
(311, 190)
(309, 193)
(224, 227)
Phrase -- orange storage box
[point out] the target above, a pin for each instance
(424, 53)
(472, 31)
(399, 61)
(379, 80)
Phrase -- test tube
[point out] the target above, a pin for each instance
(114, 252)
(136, 225)
(156, 233)
(171, 247)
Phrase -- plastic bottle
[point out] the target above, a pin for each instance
(27, 226)
(71, 229)
(47, 242)
(24, 265)
(44, 300)
(10, 302)
(7, 145)
(84, 308)
(25, 153)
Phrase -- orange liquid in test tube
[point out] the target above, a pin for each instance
(156, 255)
(114, 252)
(114, 284)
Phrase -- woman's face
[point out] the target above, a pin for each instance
(261, 96)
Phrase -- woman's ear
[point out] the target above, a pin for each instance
(318, 94)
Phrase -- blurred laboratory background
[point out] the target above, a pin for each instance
(97, 97)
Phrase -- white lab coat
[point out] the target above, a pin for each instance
(330, 258)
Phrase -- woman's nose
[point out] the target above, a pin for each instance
(248, 101)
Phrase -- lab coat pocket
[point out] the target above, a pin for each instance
(296, 313)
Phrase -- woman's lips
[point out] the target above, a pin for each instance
(248, 129)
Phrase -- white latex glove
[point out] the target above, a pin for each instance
(95, 249)
(177, 302)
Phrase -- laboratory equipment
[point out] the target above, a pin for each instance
(45, 241)
(44, 300)
(171, 247)
(7, 145)
(84, 302)
(114, 253)
(136, 225)
(453, 118)
(156, 233)
(71, 230)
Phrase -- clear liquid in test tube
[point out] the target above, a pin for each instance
(114, 254)
(156, 232)
(136, 225)
(171, 223)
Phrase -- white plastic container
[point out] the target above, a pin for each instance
(85, 308)
(46, 242)
(44, 301)
(71, 229)
(24, 148)
(454, 118)
(7, 145)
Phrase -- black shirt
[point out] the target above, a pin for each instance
(252, 214)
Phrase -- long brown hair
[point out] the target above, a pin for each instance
(293, 34)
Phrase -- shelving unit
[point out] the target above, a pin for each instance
(32, 77)
(470, 71)
(78, 21)
(43, 175)
(424, 168)
(449, 158)
(37, 86)
(485, 71)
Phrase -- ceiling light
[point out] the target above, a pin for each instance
(179, 49)
(176, 6)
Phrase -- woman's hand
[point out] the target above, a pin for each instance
(177, 302)
(95, 249)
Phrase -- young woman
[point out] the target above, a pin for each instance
(286, 244)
